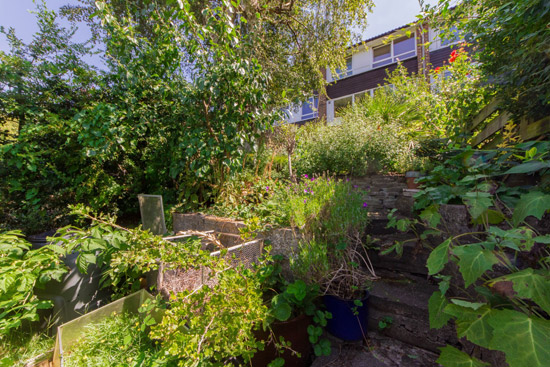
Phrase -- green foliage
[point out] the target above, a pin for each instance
(287, 300)
(366, 140)
(248, 197)
(509, 39)
(472, 177)
(506, 312)
(453, 357)
(534, 204)
(22, 271)
(331, 217)
(19, 346)
(385, 322)
(325, 207)
(443, 107)
(117, 340)
(125, 255)
(216, 322)
(436, 305)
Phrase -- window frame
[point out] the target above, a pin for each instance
(393, 57)
(314, 109)
(348, 72)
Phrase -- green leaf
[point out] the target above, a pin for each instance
(524, 339)
(436, 305)
(472, 323)
(533, 204)
(438, 257)
(452, 357)
(431, 215)
(542, 239)
(530, 285)
(127, 339)
(298, 289)
(281, 309)
(473, 261)
(467, 304)
(492, 217)
(478, 203)
(528, 167)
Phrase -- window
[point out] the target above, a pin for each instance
(452, 38)
(360, 95)
(400, 48)
(309, 109)
(404, 47)
(339, 74)
(340, 104)
(381, 56)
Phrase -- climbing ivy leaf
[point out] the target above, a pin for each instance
(474, 260)
(452, 357)
(472, 323)
(524, 339)
(530, 285)
(436, 304)
(438, 257)
(533, 204)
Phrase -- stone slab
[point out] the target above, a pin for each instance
(377, 351)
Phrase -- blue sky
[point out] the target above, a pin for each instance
(387, 14)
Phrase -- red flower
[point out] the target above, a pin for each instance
(453, 57)
(436, 69)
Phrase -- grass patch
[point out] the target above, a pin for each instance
(114, 341)
(18, 347)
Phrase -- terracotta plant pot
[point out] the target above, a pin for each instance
(295, 331)
(411, 176)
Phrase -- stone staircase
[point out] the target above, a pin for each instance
(400, 294)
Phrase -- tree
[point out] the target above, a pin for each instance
(292, 41)
(511, 40)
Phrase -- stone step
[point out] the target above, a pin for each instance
(403, 298)
(413, 259)
(377, 351)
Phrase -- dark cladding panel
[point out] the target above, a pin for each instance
(367, 80)
(439, 56)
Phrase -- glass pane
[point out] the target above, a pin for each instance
(309, 108)
(382, 63)
(453, 37)
(340, 104)
(359, 96)
(403, 45)
(381, 53)
(343, 73)
(405, 56)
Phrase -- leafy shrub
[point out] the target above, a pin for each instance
(363, 142)
(498, 299)
(22, 270)
(510, 39)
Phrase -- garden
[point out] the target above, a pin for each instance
(284, 245)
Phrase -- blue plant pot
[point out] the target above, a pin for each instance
(344, 323)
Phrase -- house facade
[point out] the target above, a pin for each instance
(416, 46)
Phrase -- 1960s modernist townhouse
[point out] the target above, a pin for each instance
(367, 67)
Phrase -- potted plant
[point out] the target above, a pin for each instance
(295, 318)
(331, 254)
